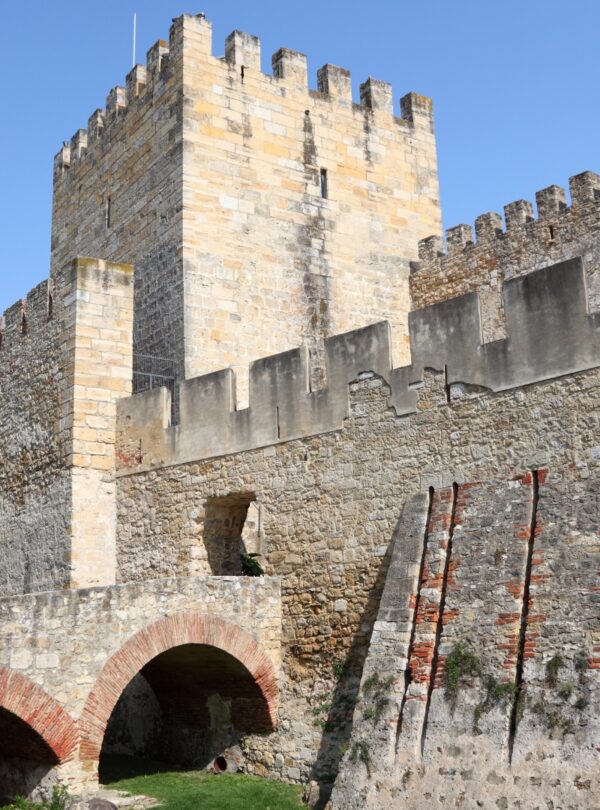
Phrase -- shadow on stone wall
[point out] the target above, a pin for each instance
(337, 726)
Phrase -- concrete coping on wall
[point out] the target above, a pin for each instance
(550, 334)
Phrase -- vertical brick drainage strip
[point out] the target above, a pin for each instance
(440, 616)
(408, 671)
(518, 696)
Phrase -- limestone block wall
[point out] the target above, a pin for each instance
(550, 332)
(301, 208)
(503, 250)
(65, 358)
(480, 433)
(99, 338)
(259, 214)
(117, 194)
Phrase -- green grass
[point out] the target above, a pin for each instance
(198, 790)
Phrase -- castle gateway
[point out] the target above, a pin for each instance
(274, 353)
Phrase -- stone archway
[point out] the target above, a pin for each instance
(31, 704)
(36, 736)
(158, 638)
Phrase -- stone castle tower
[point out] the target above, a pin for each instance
(259, 214)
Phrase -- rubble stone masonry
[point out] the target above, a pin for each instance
(329, 509)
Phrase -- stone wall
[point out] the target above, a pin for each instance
(117, 195)
(258, 223)
(207, 175)
(34, 485)
(329, 509)
(431, 509)
(550, 332)
(79, 649)
(65, 357)
(484, 655)
(465, 265)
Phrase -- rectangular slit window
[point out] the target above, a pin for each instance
(108, 211)
(324, 184)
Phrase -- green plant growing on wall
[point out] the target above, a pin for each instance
(565, 690)
(375, 697)
(496, 693)
(338, 667)
(250, 565)
(362, 753)
(555, 717)
(321, 710)
(332, 710)
(461, 664)
(58, 801)
(553, 667)
(581, 666)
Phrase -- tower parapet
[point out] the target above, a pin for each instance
(26, 317)
(243, 50)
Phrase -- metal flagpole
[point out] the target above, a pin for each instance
(134, 36)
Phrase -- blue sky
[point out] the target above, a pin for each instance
(515, 88)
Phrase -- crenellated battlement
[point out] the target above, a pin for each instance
(27, 317)
(480, 259)
(422, 475)
(242, 60)
(550, 334)
(551, 205)
(28, 326)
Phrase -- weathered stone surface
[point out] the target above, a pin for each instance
(100, 804)
(527, 244)
(206, 175)
(551, 333)
(330, 503)
(57, 426)
(427, 629)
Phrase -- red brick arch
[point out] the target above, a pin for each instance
(163, 635)
(31, 704)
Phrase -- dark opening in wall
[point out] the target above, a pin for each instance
(25, 758)
(185, 708)
(231, 529)
(108, 212)
(324, 184)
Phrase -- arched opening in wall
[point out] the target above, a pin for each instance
(25, 758)
(189, 707)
